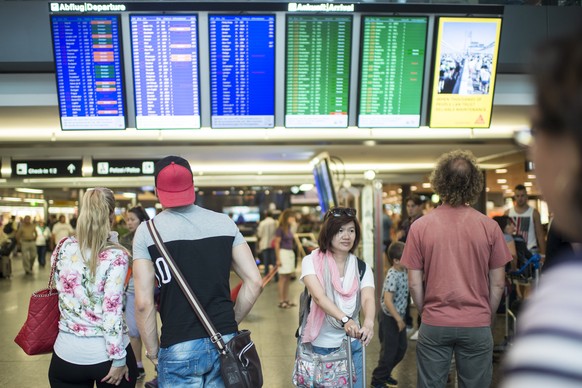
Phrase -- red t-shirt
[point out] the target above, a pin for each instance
(456, 247)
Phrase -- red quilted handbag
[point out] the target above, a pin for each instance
(39, 332)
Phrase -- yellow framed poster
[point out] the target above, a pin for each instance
(464, 72)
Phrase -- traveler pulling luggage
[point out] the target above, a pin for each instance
(6, 247)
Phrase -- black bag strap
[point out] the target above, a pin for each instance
(215, 336)
(361, 267)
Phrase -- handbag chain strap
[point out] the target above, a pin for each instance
(51, 282)
(215, 336)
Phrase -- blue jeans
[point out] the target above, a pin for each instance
(191, 364)
(356, 357)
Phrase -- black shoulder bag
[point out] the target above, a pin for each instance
(240, 365)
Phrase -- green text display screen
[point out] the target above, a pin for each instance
(392, 67)
(318, 71)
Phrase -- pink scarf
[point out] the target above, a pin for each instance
(316, 314)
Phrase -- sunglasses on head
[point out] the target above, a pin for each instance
(341, 211)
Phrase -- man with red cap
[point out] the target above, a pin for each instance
(205, 245)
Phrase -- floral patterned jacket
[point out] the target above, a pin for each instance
(92, 307)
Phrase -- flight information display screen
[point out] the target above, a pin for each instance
(165, 71)
(88, 71)
(391, 72)
(242, 71)
(317, 71)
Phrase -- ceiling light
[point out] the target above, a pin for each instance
(129, 195)
(501, 171)
(504, 187)
(487, 189)
(306, 187)
(399, 190)
(369, 143)
(29, 191)
(500, 181)
(435, 198)
(11, 199)
(413, 188)
(426, 185)
(531, 176)
(370, 174)
(527, 184)
(295, 189)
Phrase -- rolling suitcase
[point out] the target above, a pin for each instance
(6, 266)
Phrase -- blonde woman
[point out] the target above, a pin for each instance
(92, 346)
(285, 255)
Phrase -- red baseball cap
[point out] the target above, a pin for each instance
(174, 182)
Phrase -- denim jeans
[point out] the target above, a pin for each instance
(191, 364)
(357, 355)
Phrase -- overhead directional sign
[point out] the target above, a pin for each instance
(123, 167)
(47, 168)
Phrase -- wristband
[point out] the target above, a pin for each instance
(151, 356)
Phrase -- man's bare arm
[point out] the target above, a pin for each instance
(540, 235)
(145, 311)
(416, 287)
(245, 267)
(496, 288)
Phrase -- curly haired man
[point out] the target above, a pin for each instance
(455, 258)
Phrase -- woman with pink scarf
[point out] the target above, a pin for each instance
(331, 276)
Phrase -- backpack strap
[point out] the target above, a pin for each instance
(361, 267)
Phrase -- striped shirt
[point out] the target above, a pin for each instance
(548, 350)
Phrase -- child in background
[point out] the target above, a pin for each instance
(392, 329)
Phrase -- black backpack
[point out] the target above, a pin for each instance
(8, 228)
(305, 297)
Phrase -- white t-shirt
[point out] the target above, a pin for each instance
(330, 337)
(62, 230)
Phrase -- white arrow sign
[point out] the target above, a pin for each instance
(71, 167)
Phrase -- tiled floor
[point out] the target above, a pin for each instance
(272, 330)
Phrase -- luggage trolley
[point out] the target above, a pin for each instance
(532, 265)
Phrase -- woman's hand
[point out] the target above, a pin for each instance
(352, 329)
(116, 374)
(366, 333)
